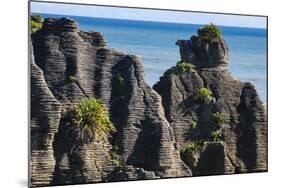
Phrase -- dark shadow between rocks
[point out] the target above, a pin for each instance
(246, 130)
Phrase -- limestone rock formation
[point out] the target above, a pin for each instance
(198, 120)
(213, 160)
(204, 54)
(74, 65)
(206, 103)
(45, 117)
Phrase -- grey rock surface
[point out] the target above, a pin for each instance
(153, 125)
(213, 160)
(44, 123)
(245, 133)
(76, 65)
(204, 54)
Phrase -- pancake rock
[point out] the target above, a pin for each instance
(70, 65)
(205, 104)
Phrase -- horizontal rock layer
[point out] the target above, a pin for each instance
(153, 125)
(76, 65)
(244, 134)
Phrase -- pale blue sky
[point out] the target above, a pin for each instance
(148, 15)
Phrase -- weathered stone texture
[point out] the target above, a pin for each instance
(204, 54)
(245, 134)
(45, 116)
(77, 65)
(213, 160)
(68, 65)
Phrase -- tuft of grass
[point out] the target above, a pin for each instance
(184, 66)
(36, 23)
(115, 156)
(120, 79)
(193, 147)
(206, 95)
(72, 78)
(190, 152)
(209, 32)
(114, 51)
(219, 118)
(89, 120)
(181, 67)
(216, 135)
(193, 124)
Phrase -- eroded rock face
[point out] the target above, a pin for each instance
(68, 65)
(213, 160)
(204, 54)
(59, 25)
(45, 117)
(244, 135)
(76, 65)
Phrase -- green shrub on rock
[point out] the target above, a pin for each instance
(216, 135)
(114, 51)
(219, 118)
(36, 23)
(190, 152)
(181, 67)
(193, 147)
(184, 66)
(206, 95)
(72, 78)
(120, 79)
(115, 156)
(209, 32)
(88, 120)
(193, 124)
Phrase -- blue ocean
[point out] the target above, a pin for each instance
(155, 43)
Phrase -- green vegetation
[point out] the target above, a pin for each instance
(115, 157)
(184, 66)
(216, 135)
(193, 124)
(191, 151)
(72, 78)
(193, 147)
(209, 32)
(219, 118)
(205, 95)
(114, 51)
(88, 120)
(36, 23)
(120, 79)
(181, 67)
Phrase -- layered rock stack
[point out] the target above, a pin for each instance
(205, 104)
(71, 65)
(197, 120)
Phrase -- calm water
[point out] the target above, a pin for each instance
(155, 43)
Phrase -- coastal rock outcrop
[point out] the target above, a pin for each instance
(197, 120)
(204, 54)
(75, 65)
(204, 103)
(44, 123)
